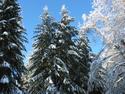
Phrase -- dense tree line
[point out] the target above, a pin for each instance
(62, 62)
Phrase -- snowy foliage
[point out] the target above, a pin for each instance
(53, 46)
(11, 46)
(55, 57)
(6, 64)
(66, 18)
(72, 52)
(107, 18)
(2, 2)
(45, 13)
(4, 79)
(45, 9)
(5, 33)
(9, 7)
(107, 71)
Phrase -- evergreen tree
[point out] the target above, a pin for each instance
(59, 64)
(11, 46)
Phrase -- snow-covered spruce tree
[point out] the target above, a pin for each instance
(59, 64)
(11, 46)
(107, 71)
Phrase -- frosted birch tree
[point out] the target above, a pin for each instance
(107, 71)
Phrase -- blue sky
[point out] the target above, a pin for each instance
(32, 9)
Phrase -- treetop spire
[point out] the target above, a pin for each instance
(45, 9)
(66, 19)
(45, 12)
(64, 10)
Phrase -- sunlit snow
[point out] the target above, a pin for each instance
(6, 64)
(4, 79)
(5, 33)
(53, 46)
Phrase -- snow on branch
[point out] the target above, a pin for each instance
(110, 14)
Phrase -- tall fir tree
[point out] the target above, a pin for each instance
(59, 64)
(12, 37)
